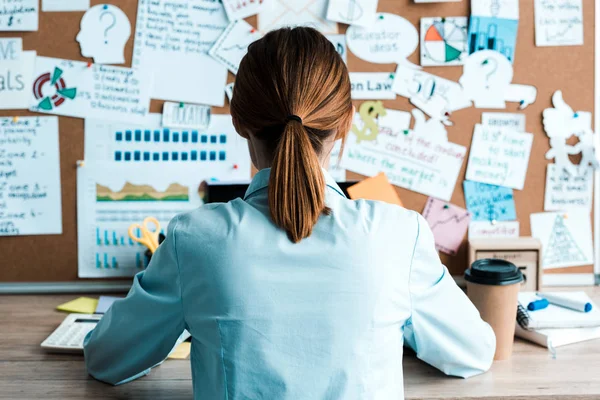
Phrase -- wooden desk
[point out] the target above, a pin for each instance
(26, 372)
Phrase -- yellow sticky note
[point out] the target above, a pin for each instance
(375, 188)
(181, 352)
(82, 305)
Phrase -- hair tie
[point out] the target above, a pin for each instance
(293, 117)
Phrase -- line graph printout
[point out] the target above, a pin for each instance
(449, 224)
(111, 197)
(233, 44)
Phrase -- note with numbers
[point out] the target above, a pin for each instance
(30, 192)
(489, 202)
(559, 22)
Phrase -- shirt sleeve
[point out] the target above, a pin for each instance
(445, 329)
(139, 331)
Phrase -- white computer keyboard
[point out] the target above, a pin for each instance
(68, 337)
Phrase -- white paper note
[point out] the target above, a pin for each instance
(279, 13)
(183, 70)
(15, 81)
(499, 156)
(496, 230)
(181, 115)
(76, 89)
(19, 15)
(339, 42)
(513, 121)
(565, 191)
(503, 9)
(240, 9)
(65, 5)
(427, 166)
(233, 44)
(443, 41)
(372, 85)
(566, 238)
(558, 22)
(10, 49)
(30, 192)
(352, 12)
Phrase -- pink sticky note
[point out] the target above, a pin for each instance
(449, 224)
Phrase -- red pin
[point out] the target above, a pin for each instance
(235, 166)
(90, 64)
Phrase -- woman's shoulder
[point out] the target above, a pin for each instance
(213, 217)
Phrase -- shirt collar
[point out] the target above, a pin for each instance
(261, 181)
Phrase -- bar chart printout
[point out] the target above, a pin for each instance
(493, 26)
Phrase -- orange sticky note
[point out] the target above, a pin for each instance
(375, 188)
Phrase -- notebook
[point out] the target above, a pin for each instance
(556, 316)
(558, 337)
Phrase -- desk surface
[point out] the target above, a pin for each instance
(26, 372)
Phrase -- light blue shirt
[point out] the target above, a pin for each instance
(325, 318)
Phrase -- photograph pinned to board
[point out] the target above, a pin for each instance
(443, 41)
(372, 85)
(449, 224)
(65, 5)
(279, 13)
(233, 44)
(499, 156)
(389, 39)
(78, 89)
(487, 81)
(352, 12)
(436, 96)
(428, 128)
(153, 49)
(566, 238)
(420, 164)
(489, 202)
(493, 230)
(513, 121)
(493, 25)
(565, 191)
(240, 9)
(16, 77)
(339, 42)
(104, 32)
(19, 16)
(560, 123)
(30, 191)
(558, 23)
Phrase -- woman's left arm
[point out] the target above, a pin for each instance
(139, 331)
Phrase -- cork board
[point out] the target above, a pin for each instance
(571, 69)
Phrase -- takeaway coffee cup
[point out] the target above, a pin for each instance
(493, 287)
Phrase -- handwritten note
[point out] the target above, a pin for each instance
(566, 238)
(565, 191)
(173, 38)
(65, 5)
(496, 230)
(15, 81)
(19, 15)
(240, 9)
(372, 85)
(76, 89)
(30, 196)
(428, 166)
(352, 12)
(449, 224)
(558, 22)
(489, 202)
(499, 156)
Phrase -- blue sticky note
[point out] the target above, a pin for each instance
(491, 33)
(489, 202)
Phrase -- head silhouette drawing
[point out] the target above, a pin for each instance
(105, 29)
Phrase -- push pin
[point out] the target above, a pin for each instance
(406, 131)
(15, 119)
(447, 114)
(522, 102)
(575, 115)
(105, 7)
(381, 17)
(235, 166)
(446, 206)
(181, 105)
(252, 30)
(89, 64)
(391, 76)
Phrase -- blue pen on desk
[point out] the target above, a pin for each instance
(538, 305)
(557, 300)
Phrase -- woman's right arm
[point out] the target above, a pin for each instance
(445, 329)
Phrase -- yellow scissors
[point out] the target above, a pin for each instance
(148, 237)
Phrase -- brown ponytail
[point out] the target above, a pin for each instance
(292, 92)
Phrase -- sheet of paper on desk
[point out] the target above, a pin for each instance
(513, 121)
(279, 13)
(30, 191)
(162, 46)
(81, 305)
(565, 191)
(566, 238)
(493, 230)
(16, 77)
(499, 156)
(427, 166)
(352, 12)
(65, 5)
(558, 22)
(489, 202)
(76, 89)
(449, 224)
(233, 44)
(21, 15)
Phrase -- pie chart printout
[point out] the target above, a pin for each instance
(443, 41)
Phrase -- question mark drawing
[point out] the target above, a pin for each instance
(492, 71)
(112, 25)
